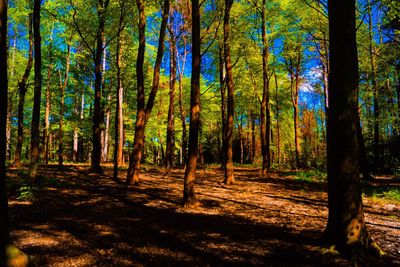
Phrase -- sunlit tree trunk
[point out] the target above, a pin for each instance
(229, 177)
(46, 131)
(265, 111)
(169, 152)
(119, 120)
(346, 226)
(143, 113)
(22, 88)
(189, 195)
(278, 126)
(181, 71)
(222, 89)
(63, 86)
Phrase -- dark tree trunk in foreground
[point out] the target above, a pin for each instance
(97, 118)
(189, 195)
(35, 133)
(346, 228)
(169, 151)
(22, 88)
(229, 178)
(143, 113)
(8, 253)
(265, 111)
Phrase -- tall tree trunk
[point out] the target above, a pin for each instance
(278, 128)
(169, 152)
(143, 113)
(6, 246)
(229, 178)
(46, 132)
(346, 225)
(4, 222)
(375, 89)
(223, 102)
(63, 86)
(265, 111)
(10, 101)
(181, 71)
(35, 133)
(22, 88)
(189, 195)
(253, 138)
(119, 119)
(102, 6)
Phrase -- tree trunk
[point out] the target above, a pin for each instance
(181, 71)
(46, 131)
(346, 225)
(22, 88)
(189, 195)
(223, 102)
(169, 152)
(8, 252)
(63, 86)
(229, 178)
(119, 119)
(97, 118)
(143, 113)
(35, 133)
(265, 111)
(375, 89)
(278, 128)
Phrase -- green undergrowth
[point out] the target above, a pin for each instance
(22, 188)
(379, 193)
(310, 176)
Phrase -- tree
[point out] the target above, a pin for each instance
(346, 226)
(35, 133)
(189, 194)
(9, 254)
(143, 113)
(229, 178)
(22, 88)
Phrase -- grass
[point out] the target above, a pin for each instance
(310, 176)
(388, 193)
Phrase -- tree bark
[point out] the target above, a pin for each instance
(181, 71)
(46, 131)
(8, 252)
(169, 152)
(223, 102)
(346, 227)
(35, 133)
(143, 113)
(229, 177)
(102, 6)
(22, 88)
(265, 111)
(278, 128)
(189, 195)
(63, 86)
(119, 119)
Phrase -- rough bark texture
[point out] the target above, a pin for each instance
(170, 148)
(143, 113)
(102, 6)
(346, 225)
(35, 133)
(265, 111)
(22, 88)
(189, 195)
(223, 102)
(229, 178)
(278, 128)
(181, 71)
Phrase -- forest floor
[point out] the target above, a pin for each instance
(79, 218)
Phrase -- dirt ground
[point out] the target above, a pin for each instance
(84, 219)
